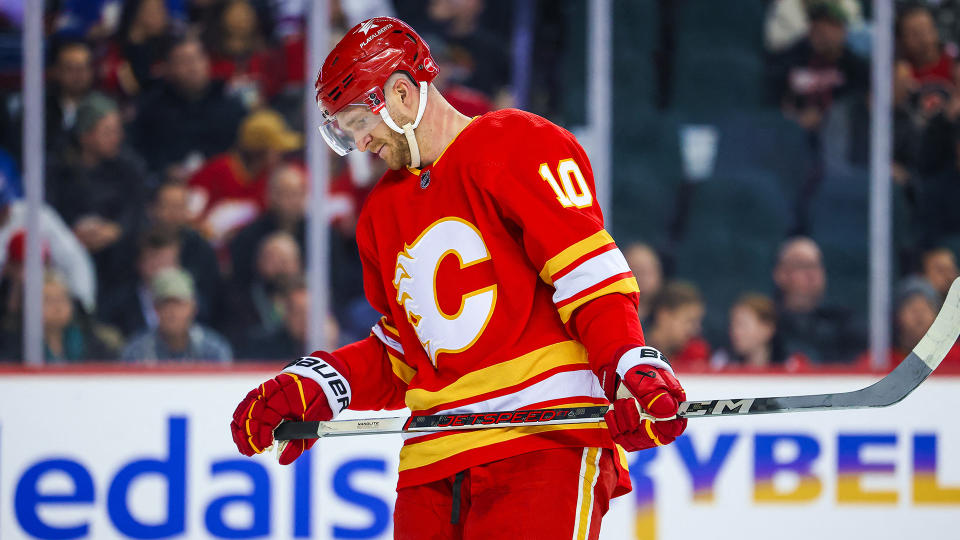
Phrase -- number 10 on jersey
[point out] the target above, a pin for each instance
(569, 195)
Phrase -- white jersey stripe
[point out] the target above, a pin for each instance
(589, 273)
(386, 339)
(564, 384)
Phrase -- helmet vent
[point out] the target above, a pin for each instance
(347, 80)
(411, 38)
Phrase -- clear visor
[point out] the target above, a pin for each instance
(345, 130)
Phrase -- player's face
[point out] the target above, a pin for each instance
(367, 132)
(390, 146)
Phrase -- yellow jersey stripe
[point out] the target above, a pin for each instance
(587, 482)
(392, 329)
(499, 376)
(404, 372)
(564, 258)
(421, 454)
(626, 286)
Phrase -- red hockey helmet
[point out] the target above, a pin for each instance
(355, 72)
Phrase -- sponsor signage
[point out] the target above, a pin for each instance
(136, 455)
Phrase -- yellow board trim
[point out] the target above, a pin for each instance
(626, 285)
(404, 372)
(564, 258)
(500, 375)
(421, 454)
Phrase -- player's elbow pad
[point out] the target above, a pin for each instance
(320, 369)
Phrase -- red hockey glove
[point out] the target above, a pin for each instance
(648, 380)
(308, 389)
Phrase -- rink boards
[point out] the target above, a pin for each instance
(106, 454)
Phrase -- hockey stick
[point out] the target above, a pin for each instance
(898, 384)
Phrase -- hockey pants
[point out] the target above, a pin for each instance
(547, 494)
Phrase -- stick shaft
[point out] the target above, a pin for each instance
(899, 383)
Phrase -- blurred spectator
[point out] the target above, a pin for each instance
(289, 340)
(286, 209)
(177, 336)
(450, 81)
(12, 285)
(678, 311)
(481, 56)
(645, 265)
(68, 335)
(809, 76)
(821, 332)
(133, 60)
(916, 306)
(188, 117)
(231, 189)
(237, 41)
(99, 187)
(69, 81)
(752, 334)
(787, 21)
(925, 84)
(940, 269)
(129, 305)
(168, 213)
(66, 253)
(926, 148)
(258, 307)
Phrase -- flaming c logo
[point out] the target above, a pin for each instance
(415, 279)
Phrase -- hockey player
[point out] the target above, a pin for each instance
(483, 248)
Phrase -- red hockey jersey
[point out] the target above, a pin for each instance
(477, 263)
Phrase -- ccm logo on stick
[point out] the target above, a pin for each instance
(720, 406)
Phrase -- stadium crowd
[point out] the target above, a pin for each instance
(175, 188)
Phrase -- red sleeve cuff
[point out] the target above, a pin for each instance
(607, 327)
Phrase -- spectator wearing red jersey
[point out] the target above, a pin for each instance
(240, 55)
(133, 62)
(925, 95)
(231, 189)
(678, 311)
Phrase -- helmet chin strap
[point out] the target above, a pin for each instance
(407, 129)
